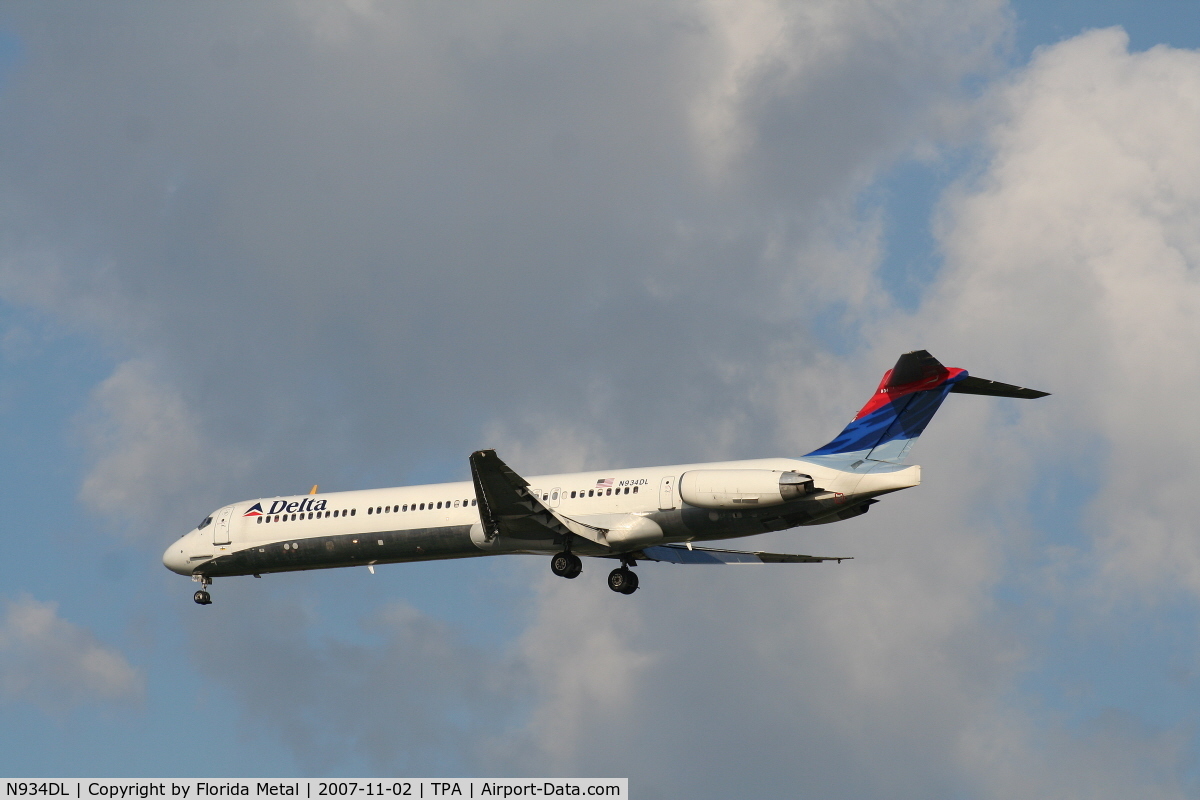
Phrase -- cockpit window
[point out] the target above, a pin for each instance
(204, 524)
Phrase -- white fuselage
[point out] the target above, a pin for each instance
(637, 508)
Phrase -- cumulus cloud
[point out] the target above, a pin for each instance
(56, 665)
(1070, 265)
(365, 234)
(148, 451)
(486, 206)
(410, 695)
(1073, 261)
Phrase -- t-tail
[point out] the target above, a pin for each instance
(907, 398)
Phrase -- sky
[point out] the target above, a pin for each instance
(246, 248)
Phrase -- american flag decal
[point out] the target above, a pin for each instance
(604, 484)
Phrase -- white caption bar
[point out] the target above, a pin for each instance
(419, 788)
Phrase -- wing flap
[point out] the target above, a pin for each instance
(679, 554)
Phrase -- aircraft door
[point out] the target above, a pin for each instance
(666, 494)
(221, 525)
(555, 496)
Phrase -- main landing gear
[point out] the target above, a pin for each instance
(566, 565)
(623, 580)
(202, 597)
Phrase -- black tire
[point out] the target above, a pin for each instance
(566, 565)
(202, 598)
(562, 564)
(631, 584)
(622, 580)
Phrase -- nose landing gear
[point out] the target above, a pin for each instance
(202, 597)
(566, 565)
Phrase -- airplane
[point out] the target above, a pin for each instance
(627, 515)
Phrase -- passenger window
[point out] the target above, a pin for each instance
(404, 507)
(472, 503)
(635, 490)
(260, 520)
(608, 491)
(439, 504)
(370, 511)
(422, 507)
(554, 496)
(626, 490)
(591, 492)
(352, 511)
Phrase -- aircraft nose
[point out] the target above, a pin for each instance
(175, 558)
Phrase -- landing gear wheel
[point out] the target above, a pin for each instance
(202, 597)
(566, 565)
(623, 580)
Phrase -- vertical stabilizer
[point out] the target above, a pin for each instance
(907, 398)
(897, 413)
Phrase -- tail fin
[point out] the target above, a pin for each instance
(907, 398)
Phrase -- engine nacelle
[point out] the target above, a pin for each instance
(743, 488)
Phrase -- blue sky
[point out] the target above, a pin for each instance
(313, 244)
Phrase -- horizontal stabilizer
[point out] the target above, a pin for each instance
(678, 554)
(973, 385)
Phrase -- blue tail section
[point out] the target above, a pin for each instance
(907, 398)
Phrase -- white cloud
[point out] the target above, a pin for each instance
(341, 235)
(56, 665)
(1070, 265)
(1072, 262)
(324, 234)
(415, 696)
(148, 452)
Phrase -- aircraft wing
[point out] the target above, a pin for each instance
(681, 554)
(506, 506)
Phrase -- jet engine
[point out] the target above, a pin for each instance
(743, 488)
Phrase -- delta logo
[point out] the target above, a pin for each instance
(283, 506)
